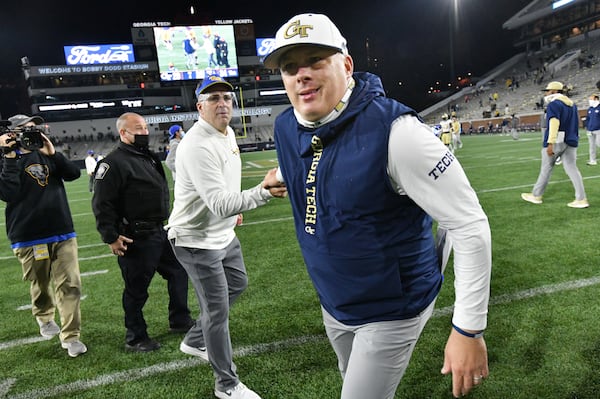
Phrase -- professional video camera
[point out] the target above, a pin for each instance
(28, 138)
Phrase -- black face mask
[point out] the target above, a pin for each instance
(141, 141)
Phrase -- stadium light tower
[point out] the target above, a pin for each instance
(453, 16)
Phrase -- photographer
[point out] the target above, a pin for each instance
(40, 228)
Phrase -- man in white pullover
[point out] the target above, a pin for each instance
(208, 199)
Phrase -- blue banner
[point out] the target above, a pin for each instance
(99, 54)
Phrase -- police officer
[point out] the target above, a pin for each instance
(130, 202)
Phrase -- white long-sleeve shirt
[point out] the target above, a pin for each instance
(207, 193)
(452, 202)
(90, 164)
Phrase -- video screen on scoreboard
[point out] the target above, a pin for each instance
(193, 52)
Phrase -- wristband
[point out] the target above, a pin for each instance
(467, 334)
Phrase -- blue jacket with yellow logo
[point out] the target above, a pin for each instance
(592, 123)
(565, 110)
(368, 250)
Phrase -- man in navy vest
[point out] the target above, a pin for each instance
(560, 141)
(592, 125)
(365, 178)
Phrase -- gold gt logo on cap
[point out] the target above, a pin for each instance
(295, 28)
(305, 29)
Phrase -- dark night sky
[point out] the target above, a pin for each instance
(409, 37)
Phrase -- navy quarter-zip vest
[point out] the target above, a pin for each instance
(368, 250)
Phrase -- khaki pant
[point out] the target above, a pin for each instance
(55, 283)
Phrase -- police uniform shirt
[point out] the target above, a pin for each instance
(130, 185)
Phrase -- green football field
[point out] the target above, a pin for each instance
(543, 333)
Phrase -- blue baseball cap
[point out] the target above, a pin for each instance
(173, 131)
(212, 81)
(90, 152)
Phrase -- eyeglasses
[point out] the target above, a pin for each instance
(216, 98)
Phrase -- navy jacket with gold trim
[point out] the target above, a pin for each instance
(369, 251)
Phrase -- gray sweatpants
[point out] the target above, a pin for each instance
(373, 357)
(568, 155)
(219, 278)
(594, 140)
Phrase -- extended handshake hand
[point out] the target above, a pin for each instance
(275, 186)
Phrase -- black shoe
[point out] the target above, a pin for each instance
(182, 328)
(146, 345)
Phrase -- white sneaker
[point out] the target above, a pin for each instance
(240, 391)
(190, 350)
(579, 204)
(49, 329)
(531, 198)
(592, 163)
(74, 348)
